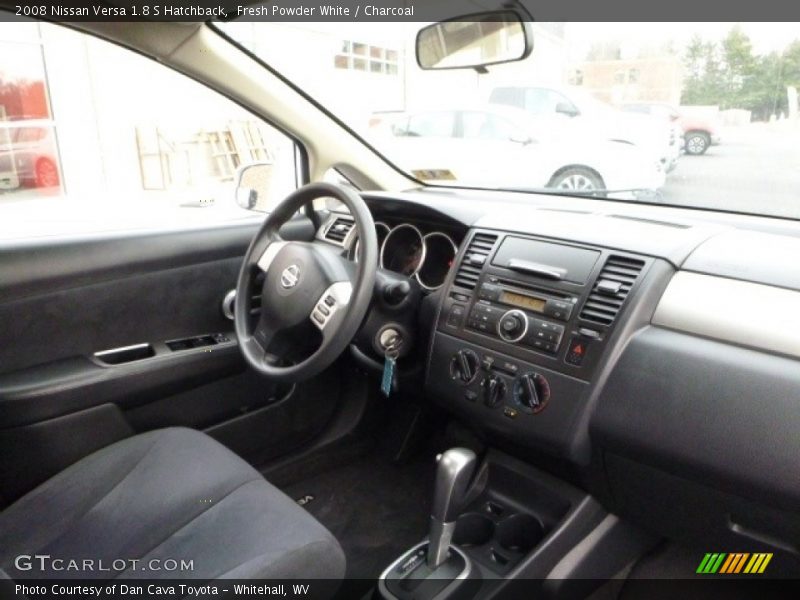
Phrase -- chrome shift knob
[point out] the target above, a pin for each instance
(453, 475)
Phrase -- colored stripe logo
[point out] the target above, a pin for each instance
(734, 563)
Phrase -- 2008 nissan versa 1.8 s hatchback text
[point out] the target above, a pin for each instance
(409, 308)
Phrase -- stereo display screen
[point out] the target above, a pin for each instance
(529, 302)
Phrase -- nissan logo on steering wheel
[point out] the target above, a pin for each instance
(290, 277)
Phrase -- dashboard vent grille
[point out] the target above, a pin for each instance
(338, 230)
(611, 288)
(477, 252)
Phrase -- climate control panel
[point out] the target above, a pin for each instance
(501, 392)
(499, 382)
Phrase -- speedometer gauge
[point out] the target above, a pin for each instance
(403, 250)
(381, 229)
(440, 252)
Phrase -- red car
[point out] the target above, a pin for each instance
(698, 133)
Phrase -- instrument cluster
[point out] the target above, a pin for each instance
(405, 249)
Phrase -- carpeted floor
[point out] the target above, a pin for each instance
(374, 508)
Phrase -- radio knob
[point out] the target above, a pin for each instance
(494, 389)
(532, 391)
(512, 326)
(464, 366)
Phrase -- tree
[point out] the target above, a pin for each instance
(738, 70)
(729, 75)
(704, 79)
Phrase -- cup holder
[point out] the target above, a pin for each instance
(519, 533)
(473, 529)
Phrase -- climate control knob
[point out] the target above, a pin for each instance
(494, 389)
(464, 366)
(531, 392)
(512, 326)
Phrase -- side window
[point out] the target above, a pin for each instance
(432, 124)
(536, 101)
(486, 126)
(541, 101)
(97, 136)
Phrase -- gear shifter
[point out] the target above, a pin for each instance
(453, 475)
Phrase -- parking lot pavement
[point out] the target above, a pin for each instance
(756, 169)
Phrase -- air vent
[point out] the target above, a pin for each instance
(477, 252)
(338, 231)
(611, 289)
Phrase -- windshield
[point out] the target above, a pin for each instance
(694, 114)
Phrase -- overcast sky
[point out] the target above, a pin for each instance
(765, 37)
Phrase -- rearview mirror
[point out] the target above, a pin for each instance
(474, 41)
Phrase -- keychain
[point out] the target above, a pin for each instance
(389, 381)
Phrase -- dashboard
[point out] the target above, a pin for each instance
(660, 343)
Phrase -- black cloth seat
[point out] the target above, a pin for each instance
(167, 494)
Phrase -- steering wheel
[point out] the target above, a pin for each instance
(305, 285)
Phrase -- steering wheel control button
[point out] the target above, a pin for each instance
(576, 352)
(333, 299)
(464, 366)
(513, 326)
(531, 392)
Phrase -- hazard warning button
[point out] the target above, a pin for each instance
(576, 352)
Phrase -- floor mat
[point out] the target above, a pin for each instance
(374, 508)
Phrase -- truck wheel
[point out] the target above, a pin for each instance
(697, 143)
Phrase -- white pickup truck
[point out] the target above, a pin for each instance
(566, 107)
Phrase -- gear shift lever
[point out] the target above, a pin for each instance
(453, 475)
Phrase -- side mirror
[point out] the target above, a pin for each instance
(565, 108)
(253, 183)
(474, 41)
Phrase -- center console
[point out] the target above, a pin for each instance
(523, 329)
(505, 529)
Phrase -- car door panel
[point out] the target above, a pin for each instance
(61, 302)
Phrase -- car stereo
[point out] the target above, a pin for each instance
(510, 310)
